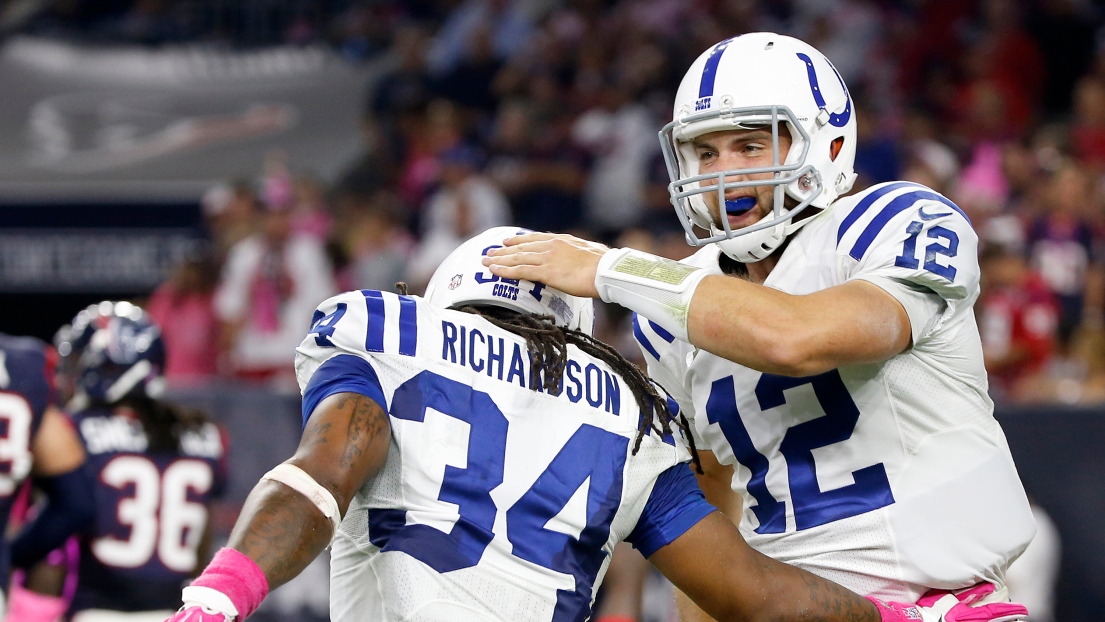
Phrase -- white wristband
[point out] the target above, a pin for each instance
(300, 481)
(656, 288)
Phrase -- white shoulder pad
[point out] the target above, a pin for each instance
(907, 232)
(366, 323)
(666, 359)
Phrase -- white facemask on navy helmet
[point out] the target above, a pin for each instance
(761, 80)
(463, 280)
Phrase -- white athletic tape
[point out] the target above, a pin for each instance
(298, 480)
(656, 288)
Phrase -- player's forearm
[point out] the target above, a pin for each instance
(280, 530)
(713, 565)
(755, 326)
(801, 596)
(796, 335)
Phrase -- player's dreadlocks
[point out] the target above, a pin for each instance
(164, 423)
(548, 347)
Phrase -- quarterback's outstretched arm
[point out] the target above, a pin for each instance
(753, 325)
(290, 516)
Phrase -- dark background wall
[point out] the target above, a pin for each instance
(1060, 452)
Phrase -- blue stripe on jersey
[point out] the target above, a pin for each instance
(408, 323)
(344, 373)
(374, 339)
(896, 206)
(709, 70)
(641, 339)
(408, 326)
(865, 203)
(675, 505)
(665, 335)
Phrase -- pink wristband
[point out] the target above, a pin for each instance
(239, 577)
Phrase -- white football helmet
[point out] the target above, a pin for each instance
(463, 280)
(759, 80)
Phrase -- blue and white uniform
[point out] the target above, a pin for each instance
(889, 478)
(496, 502)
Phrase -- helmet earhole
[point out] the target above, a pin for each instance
(834, 147)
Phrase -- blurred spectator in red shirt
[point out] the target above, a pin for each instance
(1088, 128)
(1004, 71)
(184, 309)
(1017, 320)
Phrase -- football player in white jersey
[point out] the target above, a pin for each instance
(468, 459)
(823, 345)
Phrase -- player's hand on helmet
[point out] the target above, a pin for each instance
(945, 606)
(558, 260)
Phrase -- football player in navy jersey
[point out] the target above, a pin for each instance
(157, 466)
(476, 455)
(36, 441)
(822, 344)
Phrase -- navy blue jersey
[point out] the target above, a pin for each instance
(26, 383)
(151, 511)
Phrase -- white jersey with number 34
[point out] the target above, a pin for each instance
(889, 478)
(497, 502)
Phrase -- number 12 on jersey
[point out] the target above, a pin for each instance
(812, 506)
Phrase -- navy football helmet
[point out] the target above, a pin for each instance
(110, 351)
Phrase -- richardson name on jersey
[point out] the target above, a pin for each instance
(504, 360)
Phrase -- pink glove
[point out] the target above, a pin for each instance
(198, 613)
(230, 588)
(27, 606)
(896, 612)
(944, 606)
(962, 606)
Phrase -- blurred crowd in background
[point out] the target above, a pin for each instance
(544, 114)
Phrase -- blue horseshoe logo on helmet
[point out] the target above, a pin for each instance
(835, 119)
